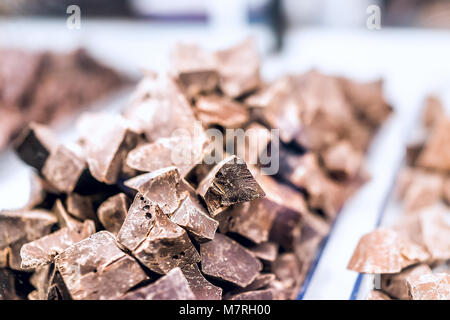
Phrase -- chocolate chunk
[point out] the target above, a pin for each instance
(106, 146)
(447, 190)
(430, 286)
(436, 153)
(40, 280)
(163, 187)
(433, 111)
(193, 217)
(34, 145)
(270, 93)
(225, 259)
(377, 295)
(153, 239)
(112, 212)
(172, 286)
(435, 232)
(63, 169)
(202, 288)
(95, 268)
(396, 285)
(80, 207)
(216, 110)
(266, 251)
(7, 286)
(43, 251)
(11, 121)
(287, 270)
(342, 160)
(230, 182)
(254, 295)
(37, 191)
(384, 251)
(20, 227)
(64, 218)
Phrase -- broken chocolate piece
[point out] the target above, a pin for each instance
(34, 145)
(430, 286)
(193, 217)
(229, 182)
(95, 268)
(433, 111)
(286, 268)
(266, 294)
(225, 259)
(80, 207)
(7, 286)
(342, 160)
(436, 153)
(112, 212)
(435, 232)
(202, 288)
(64, 219)
(172, 286)
(216, 110)
(153, 239)
(266, 251)
(163, 187)
(377, 295)
(396, 285)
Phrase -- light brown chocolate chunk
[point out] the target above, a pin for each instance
(270, 93)
(225, 259)
(266, 294)
(112, 212)
(107, 145)
(384, 251)
(342, 160)
(163, 187)
(80, 207)
(430, 286)
(433, 111)
(216, 110)
(396, 285)
(18, 228)
(287, 270)
(266, 251)
(202, 288)
(436, 153)
(153, 239)
(63, 169)
(194, 218)
(64, 218)
(40, 280)
(172, 286)
(95, 268)
(435, 231)
(43, 251)
(258, 141)
(377, 295)
(229, 182)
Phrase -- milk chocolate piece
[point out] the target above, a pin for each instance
(107, 145)
(63, 169)
(287, 270)
(172, 286)
(193, 217)
(229, 182)
(261, 281)
(153, 239)
(396, 285)
(270, 93)
(112, 212)
(95, 268)
(41, 281)
(163, 187)
(436, 153)
(433, 111)
(343, 160)
(18, 228)
(377, 295)
(384, 251)
(42, 251)
(435, 231)
(166, 152)
(266, 251)
(216, 110)
(266, 294)
(34, 145)
(430, 286)
(80, 207)
(202, 288)
(225, 259)
(64, 218)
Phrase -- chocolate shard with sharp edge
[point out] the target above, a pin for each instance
(112, 212)
(396, 285)
(229, 182)
(95, 268)
(43, 251)
(266, 251)
(217, 110)
(266, 294)
(430, 286)
(19, 227)
(8, 288)
(153, 239)
(64, 218)
(40, 280)
(164, 187)
(191, 216)
(202, 288)
(107, 145)
(35, 144)
(81, 207)
(172, 286)
(225, 259)
(63, 169)
(436, 153)
(262, 281)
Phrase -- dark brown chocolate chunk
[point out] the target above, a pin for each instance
(153, 239)
(266, 294)
(287, 270)
(163, 187)
(193, 217)
(172, 286)
(229, 182)
(42, 251)
(81, 207)
(266, 251)
(216, 110)
(18, 228)
(34, 145)
(95, 268)
(112, 212)
(225, 259)
(63, 169)
(40, 280)
(7, 285)
(396, 285)
(64, 218)
(107, 145)
(202, 288)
